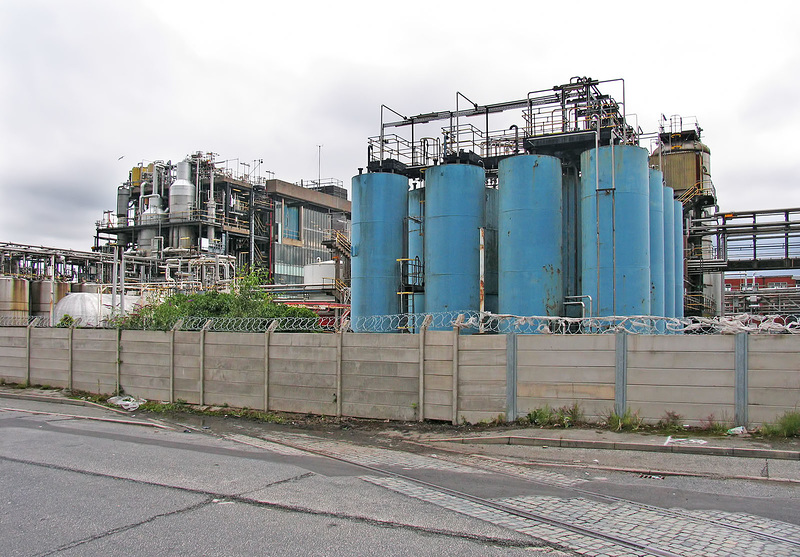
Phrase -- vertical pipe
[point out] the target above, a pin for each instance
(52, 288)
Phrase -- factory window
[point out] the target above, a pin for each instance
(291, 222)
(778, 285)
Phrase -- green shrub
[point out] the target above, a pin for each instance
(541, 416)
(671, 421)
(787, 425)
(628, 421)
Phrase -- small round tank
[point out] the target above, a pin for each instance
(14, 297)
(529, 236)
(454, 214)
(42, 298)
(84, 287)
(615, 230)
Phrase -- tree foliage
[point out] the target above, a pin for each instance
(247, 300)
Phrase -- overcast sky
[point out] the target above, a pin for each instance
(83, 83)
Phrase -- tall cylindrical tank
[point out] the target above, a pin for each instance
(615, 229)
(416, 234)
(678, 259)
(454, 205)
(530, 266)
(657, 281)
(491, 218)
(182, 194)
(151, 214)
(14, 297)
(669, 252)
(44, 295)
(380, 202)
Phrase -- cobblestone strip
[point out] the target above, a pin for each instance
(682, 536)
(577, 543)
(525, 472)
(262, 444)
(752, 523)
(369, 456)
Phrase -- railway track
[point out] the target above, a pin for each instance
(559, 532)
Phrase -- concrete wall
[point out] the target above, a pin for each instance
(471, 378)
(562, 370)
(692, 375)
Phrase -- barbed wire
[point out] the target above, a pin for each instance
(468, 322)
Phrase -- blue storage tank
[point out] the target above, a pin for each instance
(490, 248)
(669, 252)
(454, 207)
(380, 202)
(657, 304)
(678, 259)
(416, 229)
(615, 230)
(530, 281)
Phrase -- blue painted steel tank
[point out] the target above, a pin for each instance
(669, 252)
(530, 281)
(454, 207)
(416, 216)
(678, 259)
(615, 230)
(490, 248)
(657, 305)
(380, 202)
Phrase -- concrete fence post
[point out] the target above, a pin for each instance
(175, 328)
(741, 379)
(28, 353)
(267, 337)
(621, 373)
(339, 339)
(70, 335)
(203, 362)
(119, 362)
(421, 404)
(511, 377)
(456, 331)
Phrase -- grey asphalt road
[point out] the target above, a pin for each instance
(72, 485)
(78, 487)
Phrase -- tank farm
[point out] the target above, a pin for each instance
(546, 206)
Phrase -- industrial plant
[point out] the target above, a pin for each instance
(191, 226)
(549, 205)
(556, 204)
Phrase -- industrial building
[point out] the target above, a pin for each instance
(543, 206)
(192, 224)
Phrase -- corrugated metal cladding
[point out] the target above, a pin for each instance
(454, 214)
(380, 202)
(530, 239)
(684, 167)
(615, 224)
